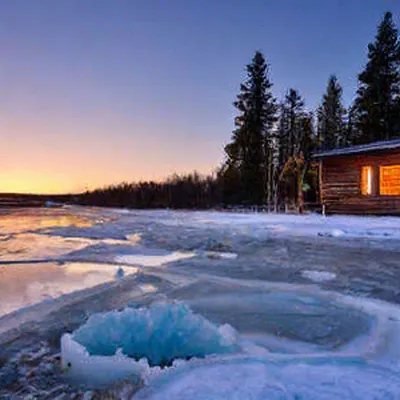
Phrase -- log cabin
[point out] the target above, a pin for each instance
(362, 179)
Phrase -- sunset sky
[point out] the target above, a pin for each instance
(94, 92)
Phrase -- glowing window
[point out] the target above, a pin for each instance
(366, 180)
(389, 182)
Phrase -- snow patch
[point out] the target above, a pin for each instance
(318, 276)
(221, 255)
(332, 233)
(147, 259)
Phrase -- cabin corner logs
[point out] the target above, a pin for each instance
(361, 184)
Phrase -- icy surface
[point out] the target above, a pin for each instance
(152, 258)
(258, 380)
(319, 276)
(96, 370)
(313, 301)
(161, 333)
(25, 285)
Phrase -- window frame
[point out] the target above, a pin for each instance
(380, 167)
(371, 181)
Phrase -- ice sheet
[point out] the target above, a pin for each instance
(262, 274)
(25, 285)
(260, 380)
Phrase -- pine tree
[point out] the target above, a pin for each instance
(296, 143)
(291, 111)
(377, 101)
(249, 148)
(331, 123)
(351, 133)
(305, 138)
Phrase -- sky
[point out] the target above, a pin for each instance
(96, 92)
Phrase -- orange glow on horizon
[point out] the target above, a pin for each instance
(50, 156)
(32, 182)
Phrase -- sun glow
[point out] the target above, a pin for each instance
(35, 182)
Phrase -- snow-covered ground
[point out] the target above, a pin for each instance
(268, 306)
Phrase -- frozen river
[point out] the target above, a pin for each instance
(246, 306)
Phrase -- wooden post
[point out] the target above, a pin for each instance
(320, 184)
(375, 180)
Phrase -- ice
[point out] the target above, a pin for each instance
(97, 371)
(152, 258)
(318, 276)
(28, 284)
(297, 315)
(120, 273)
(293, 339)
(290, 224)
(259, 380)
(221, 255)
(159, 334)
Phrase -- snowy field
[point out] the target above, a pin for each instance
(198, 305)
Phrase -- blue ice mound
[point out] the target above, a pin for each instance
(161, 333)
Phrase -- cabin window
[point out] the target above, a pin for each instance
(389, 180)
(366, 180)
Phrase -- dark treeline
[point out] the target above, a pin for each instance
(180, 191)
(268, 161)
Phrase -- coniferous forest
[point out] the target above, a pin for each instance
(268, 160)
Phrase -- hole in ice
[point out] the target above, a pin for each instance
(294, 315)
(161, 333)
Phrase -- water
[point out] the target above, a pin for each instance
(308, 305)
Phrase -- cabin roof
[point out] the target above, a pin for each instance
(361, 149)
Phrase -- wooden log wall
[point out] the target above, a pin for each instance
(340, 182)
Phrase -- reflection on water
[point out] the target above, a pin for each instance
(25, 285)
(27, 221)
(32, 246)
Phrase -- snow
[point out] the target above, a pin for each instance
(318, 276)
(296, 225)
(97, 371)
(256, 379)
(152, 258)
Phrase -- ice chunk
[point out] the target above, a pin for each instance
(221, 255)
(152, 258)
(161, 333)
(120, 273)
(98, 371)
(332, 233)
(318, 276)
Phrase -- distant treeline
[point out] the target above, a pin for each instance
(268, 161)
(9, 200)
(180, 191)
